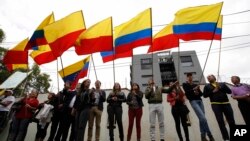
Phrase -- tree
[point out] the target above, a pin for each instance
(38, 80)
(2, 35)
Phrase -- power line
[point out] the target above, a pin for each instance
(245, 11)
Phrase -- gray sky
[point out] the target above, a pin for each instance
(19, 18)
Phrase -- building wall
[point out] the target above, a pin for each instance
(195, 68)
(141, 76)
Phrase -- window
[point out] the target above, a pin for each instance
(144, 85)
(147, 76)
(186, 61)
(146, 63)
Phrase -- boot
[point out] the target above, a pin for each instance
(211, 138)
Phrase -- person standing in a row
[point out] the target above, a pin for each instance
(154, 95)
(96, 111)
(5, 106)
(82, 106)
(134, 101)
(115, 100)
(43, 116)
(176, 98)
(241, 92)
(217, 92)
(23, 117)
(194, 94)
(65, 122)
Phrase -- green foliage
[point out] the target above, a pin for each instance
(2, 35)
(38, 80)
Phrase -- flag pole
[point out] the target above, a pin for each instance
(94, 66)
(57, 75)
(209, 49)
(152, 53)
(113, 50)
(62, 67)
(218, 73)
(89, 69)
(179, 63)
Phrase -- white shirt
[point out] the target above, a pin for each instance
(8, 98)
(72, 102)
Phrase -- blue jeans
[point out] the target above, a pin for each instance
(198, 107)
(18, 129)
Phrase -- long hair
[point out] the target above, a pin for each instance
(82, 87)
(119, 87)
(138, 89)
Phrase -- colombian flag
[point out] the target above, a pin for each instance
(97, 38)
(38, 39)
(197, 23)
(133, 33)
(43, 55)
(218, 31)
(62, 34)
(75, 72)
(18, 54)
(164, 39)
(110, 56)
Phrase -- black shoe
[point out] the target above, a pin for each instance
(203, 138)
(162, 139)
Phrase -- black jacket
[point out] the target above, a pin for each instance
(139, 97)
(83, 100)
(120, 98)
(189, 92)
(64, 97)
(219, 96)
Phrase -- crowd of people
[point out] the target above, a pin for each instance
(75, 109)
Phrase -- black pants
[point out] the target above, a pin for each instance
(219, 110)
(244, 109)
(57, 116)
(82, 118)
(3, 119)
(41, 132)
(180, 118)
(64, 125)
(115, 112)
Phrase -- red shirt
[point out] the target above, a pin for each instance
(26, 112)
(171, 97)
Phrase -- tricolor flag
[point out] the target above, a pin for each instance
(62, 34)
(18, 54)
(197, 23)
(218, 31)
(164, 39)
(43, 55)
(97, 38)
(110, 56)
(134, 33)
(75, 72)
(38, 39)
